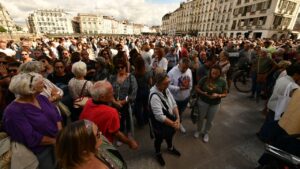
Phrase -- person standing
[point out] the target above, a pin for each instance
(181, 85)
(164, 116)
(211, 90)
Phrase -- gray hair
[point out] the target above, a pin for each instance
(79, 69)
(99, 89)
(23, 84)
(160, 77)
(33, 66)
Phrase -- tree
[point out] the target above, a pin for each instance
(2, 29)
(19, 28)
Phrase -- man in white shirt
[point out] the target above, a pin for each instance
(278, 102)
(181, 85)
(7, 51)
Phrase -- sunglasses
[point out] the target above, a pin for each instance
(3, 62)
(24, 54)
(98, 134)
(120, 67)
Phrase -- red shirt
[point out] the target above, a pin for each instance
(105, 117)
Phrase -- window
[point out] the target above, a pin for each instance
(239, 2)
(241, 22)
(236, 12)
(253, 8)
(262, 20)
(233, 25)
(259, 6)
(277, 21)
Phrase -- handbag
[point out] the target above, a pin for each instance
(261, 78)
(195, 112)
(282, 102)
(81, 100)
(64, 110)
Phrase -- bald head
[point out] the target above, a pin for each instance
(102, 91)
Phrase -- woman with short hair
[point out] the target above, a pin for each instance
(78, 86)
(51, 91)
(31, 119)
(81, 145)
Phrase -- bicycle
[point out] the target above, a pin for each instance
(241, 78)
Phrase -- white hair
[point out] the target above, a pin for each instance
(32, 66)
(99, 89)
(79, 69)
(24, 84)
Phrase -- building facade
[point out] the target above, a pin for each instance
(90, 23)
(233, 18)
(6, 21)
(55, 21)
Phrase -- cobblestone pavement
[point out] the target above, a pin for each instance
(233, 143)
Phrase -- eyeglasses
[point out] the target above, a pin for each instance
(59, 67)
(31, 80)
(24, 54)
(65, 53)
(3, 62)
(12, 70)
(89, 127)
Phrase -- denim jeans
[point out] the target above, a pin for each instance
(181, 105)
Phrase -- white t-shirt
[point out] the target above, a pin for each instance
(163, 63)
(8, 52)
(279, 89)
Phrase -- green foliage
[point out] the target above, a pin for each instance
(18, 28)
(2, 29)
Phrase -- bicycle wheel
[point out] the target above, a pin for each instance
(242, 82)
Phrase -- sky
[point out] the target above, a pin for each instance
(147, 12)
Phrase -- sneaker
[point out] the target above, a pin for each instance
(160, 159)
(205, 138)
(119, 143)
(197, 134)
(174, 151)
(182, 129)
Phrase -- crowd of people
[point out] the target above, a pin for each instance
(70, 100)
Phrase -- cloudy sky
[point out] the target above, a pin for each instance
(147, 12)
